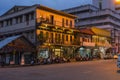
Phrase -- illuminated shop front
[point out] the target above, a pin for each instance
(82, 52)
(95, 42)
(102, 40)
(56, 50)
(43, 53)
(85, 53)
(46, 52)
(55, 42)
(87, 46)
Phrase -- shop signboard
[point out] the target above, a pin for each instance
(88, 44)
(57, 52)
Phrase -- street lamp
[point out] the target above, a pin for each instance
(61, 51)
(73, 52)
(49, 49)
(117, 1)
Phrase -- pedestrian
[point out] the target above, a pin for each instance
(49, 60)
(32, 62)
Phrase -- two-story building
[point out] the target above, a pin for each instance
(95, 42)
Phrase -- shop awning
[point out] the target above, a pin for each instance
(18, 43)
(87, 31)
(8, 40)
(101, 32)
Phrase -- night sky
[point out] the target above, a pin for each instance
(55, 4)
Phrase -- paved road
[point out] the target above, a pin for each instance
(91, 70)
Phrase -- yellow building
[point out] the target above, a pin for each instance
(55, 32)
(102, 39)
(96, 41)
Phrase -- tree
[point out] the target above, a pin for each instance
(41, 39)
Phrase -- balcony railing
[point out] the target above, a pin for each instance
(53, 22)
(56, 41)
(99, 13)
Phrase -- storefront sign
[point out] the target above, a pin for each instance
(88, 44)
(57, 52)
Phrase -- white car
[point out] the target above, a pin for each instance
(118, 61)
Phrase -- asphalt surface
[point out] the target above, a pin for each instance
(89, 70)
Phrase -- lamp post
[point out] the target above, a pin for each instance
(73, 52)
(49, 51)
(61, 51)
(117, 1)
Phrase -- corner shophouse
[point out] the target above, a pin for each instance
(55, 33)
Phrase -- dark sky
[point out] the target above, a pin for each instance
(56, 4)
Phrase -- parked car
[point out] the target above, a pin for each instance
(118, 61)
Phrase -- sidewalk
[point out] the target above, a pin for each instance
(29, 65)
(14, 66)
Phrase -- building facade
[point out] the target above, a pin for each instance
(18, 20)
(55, 33)
(95, 43)
(101, 13)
